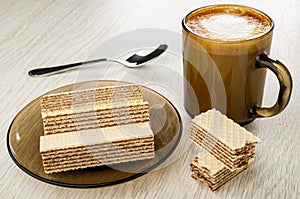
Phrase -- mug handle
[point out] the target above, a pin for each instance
(285, 87)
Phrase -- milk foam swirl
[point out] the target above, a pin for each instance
(227, 26)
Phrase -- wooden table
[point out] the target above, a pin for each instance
(41, 33)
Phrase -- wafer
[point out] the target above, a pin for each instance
(107, 116)
(230, 143)
(97, 98)
(210, 171)
(103, 146)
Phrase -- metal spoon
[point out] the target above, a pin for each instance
(133, 61)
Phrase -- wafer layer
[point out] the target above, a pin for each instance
(207, 169)
(78, 101)
(225, 130)
(201, 135)
(197, 129)
(214, 187)
(90, 119)
(231, 161)
(95, 147)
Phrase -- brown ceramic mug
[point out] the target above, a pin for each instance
(225, 60)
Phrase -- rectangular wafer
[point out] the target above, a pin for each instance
(96, 147)
(230, 143)
(92, 99)
(103, 117)
(210, 171)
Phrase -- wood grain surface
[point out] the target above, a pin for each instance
(42, 33)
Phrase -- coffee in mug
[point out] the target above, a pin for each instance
(225, 60)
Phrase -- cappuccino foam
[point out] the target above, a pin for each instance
(227, 26)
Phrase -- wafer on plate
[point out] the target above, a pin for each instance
(96, 147)
(93, 108)
(210, 171)
(228, 142)
(95, 127)
(105, 116)
(76, 101)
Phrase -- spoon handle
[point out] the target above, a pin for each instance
(55, 69)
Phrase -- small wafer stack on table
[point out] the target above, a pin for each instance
(95, 127)
(207, 169)
(226, 148)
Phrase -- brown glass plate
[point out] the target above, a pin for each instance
(25, 131)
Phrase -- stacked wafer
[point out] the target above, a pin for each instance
(207, 169)
(95, 108)
(101, 126)
(225, 142)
